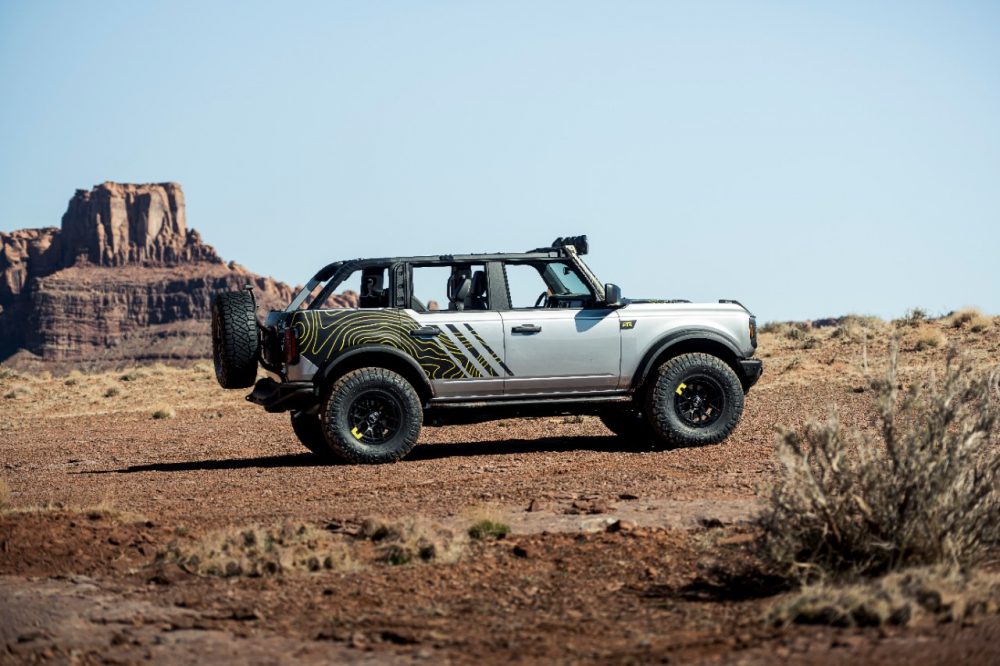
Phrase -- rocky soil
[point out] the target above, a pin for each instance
(152, 516)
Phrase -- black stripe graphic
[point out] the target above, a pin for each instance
(496, 358)
(475, 352)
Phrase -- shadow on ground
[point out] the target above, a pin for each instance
(419, 453)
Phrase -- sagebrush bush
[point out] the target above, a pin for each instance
(489, 529)
(164, 412)
(929, 339)
(927, 491)
(963, 317)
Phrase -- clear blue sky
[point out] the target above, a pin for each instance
(807, 158)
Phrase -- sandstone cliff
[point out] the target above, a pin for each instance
(124, 280)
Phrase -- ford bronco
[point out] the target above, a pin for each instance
(518, 334)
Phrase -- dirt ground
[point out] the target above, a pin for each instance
(615, 555)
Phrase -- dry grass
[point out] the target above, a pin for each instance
(259, 551)
(962, 318)
(913, 317)
(4, 495)
(928, 338)
(297, 547)
(921, 595)
(164, 412)
(926, 492)
(488, 529)
(87, 394)
(106, 509)
(858, 328)
(18, 391)
(135, 374)
(412, 539)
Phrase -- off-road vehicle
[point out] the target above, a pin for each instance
(517, 334)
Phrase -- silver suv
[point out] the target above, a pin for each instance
(516, 334)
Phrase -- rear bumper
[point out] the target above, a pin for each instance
(281, 397)
(750, 371)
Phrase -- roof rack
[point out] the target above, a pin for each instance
(578, 243)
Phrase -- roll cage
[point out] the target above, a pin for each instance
(398, 293)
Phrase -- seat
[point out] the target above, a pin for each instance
(372, 295)
(459, 286)
(476, 300)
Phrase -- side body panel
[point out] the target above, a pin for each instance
(574, 351)
(473, 341)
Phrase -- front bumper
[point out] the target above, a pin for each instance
(281, 397)
(750, 371)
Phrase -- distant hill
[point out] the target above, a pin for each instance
(123, 281)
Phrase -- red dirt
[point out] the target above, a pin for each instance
(681, 586)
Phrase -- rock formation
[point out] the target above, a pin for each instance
(123, 281)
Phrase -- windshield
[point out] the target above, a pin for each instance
(563, 280)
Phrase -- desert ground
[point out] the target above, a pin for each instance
(150, 515)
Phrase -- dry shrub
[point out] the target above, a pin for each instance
(7, 373)
(926, 492)
(920, 595)
(164, 412)
(793, 330)
(913, 317)
(258, 551)
(4, 495)
(299, 547)
(18, 391)
(134, 375)
(857, 328)
(112, 391)
(488, 529)
(411, 540)
(930, 338)
(964, 317)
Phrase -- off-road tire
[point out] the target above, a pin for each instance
(352, 390)
(309, 430)
(664, 414)
(235, 339)
(631, 426)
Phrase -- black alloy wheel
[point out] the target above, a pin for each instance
(374, 417)
(700, 401)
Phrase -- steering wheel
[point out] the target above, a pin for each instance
(541, 299)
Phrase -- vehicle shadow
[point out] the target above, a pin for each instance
(421, 452)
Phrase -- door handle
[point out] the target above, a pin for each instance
(425, 331)
(526, 328)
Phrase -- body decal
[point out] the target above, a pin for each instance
(489, 349)
(324, 334)
(475, 352)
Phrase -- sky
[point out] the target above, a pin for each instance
(810, 159)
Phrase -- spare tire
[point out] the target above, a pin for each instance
(235, 340)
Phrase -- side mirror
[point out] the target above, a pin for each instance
(612, 295)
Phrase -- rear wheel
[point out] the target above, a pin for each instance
(309, 430)
(372, 415)
(696, 399)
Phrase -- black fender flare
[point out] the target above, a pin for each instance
(347, 357)
(674, 338)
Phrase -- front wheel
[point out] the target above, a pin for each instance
(696, 399)
(372, 416)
